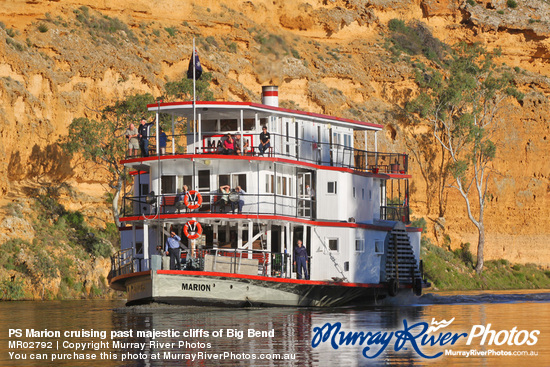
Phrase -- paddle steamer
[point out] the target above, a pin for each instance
(349, 207)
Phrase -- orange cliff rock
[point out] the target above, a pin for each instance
(326, 56)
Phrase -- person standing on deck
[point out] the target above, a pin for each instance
(133, 143)
(300, 261)
(144, 133)
(180, 198)
(162, 141)
(173, 249)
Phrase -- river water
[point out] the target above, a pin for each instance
(518, 320)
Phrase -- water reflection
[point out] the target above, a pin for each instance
(287, 331)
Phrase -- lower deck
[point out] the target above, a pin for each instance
(244, 248)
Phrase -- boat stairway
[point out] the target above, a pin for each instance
(400, 262)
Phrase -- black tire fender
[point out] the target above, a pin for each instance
(393, 287)
(417, 286)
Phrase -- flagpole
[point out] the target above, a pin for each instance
(194, 97)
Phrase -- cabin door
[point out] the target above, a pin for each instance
(305, 199)
(337, 149)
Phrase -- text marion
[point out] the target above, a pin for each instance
(195, 287)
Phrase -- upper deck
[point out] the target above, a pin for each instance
(297, 137)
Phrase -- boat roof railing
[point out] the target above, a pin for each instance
(281, 146)
(249, 110)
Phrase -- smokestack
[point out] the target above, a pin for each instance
(270, 95)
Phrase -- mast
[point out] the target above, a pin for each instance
(194, 95)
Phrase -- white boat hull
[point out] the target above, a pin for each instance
(226, 289)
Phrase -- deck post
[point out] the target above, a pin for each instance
(250, 238)
(241, 128)
(199, 142)
(215, 240)
(268, 245)
(145, 244)
(288, 249)
(239, 234)
(157, 145)
(173, 137)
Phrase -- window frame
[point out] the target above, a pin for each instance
(329, 239)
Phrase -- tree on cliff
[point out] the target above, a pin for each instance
(183, 89)
(102, 142)
(461, 106)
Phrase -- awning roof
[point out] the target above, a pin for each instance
(211, 110)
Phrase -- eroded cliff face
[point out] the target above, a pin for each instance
(61, 60)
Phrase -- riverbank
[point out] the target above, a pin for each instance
(454, 270)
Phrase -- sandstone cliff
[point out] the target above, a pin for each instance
(61, 60)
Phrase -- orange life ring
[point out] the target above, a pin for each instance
(193, 199)
(194, 228)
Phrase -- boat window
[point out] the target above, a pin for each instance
(209, 126)
(249, 124)
(333, 244)
(378, 247)
(185, 180)
(229, 125)
(347, 140)
(264, 122)
(143, 189)
(204, 180)
(269, 184)
(168, 184)
(139, 248)
(224, 180)
(359, 245)
(331, 187)
(290, 187)
(284, 186)
(354, 192)
(279, 185)
(239, 180)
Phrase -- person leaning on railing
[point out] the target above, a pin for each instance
(133, 143)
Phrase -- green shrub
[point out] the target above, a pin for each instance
(464, 254)
(171, 31)
(11, 289)
(512, 4)
(397, 25)
(232, 47)
(43, 28)
(414, 39)
(15, 44)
